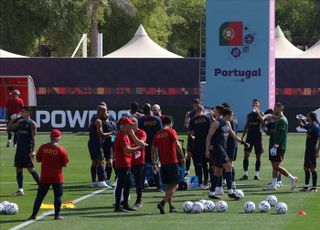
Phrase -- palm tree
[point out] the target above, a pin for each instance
(92, 9)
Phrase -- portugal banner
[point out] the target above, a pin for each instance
(240, 64)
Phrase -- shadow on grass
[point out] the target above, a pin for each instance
(12, 221)
(122, 215)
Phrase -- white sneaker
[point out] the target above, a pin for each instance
(8, 143)
(94, 185)
(279, 184)
(102, 184)
(109, 183)
(270, 188)
(219, 191)
(294, 182)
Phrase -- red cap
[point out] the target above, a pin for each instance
(55, 133)
(126, 121)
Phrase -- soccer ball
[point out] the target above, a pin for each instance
(221, 206)
(239, 193)
(210, 206)
(272, 200)
(187, 206)
(202, 201)
(1, 208)
(11, 209)
(3, 205)
(204, 205)
(197, 207)
(249, 207)
(281, 208)
(264, 206)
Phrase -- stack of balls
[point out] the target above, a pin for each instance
(265, 206)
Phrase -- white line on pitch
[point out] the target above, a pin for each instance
(45, 214)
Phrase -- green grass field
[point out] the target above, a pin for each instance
(97, 211)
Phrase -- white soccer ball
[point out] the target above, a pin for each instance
(11, 209)
(3, 205)
(272, 200)
(187, 206)
(210, 206)
(264, 206)
(239, 193)
(249, 207)
(221, 206)
(204, 205)
(281, 208)
(197, 207)
(1, 208)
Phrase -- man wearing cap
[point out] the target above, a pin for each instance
(14, 106)
(53, 158)
(123, 159)
(26, 133)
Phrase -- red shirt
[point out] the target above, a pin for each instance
(165, 141)
(52, 157)
(14, 106)
(122, 159)
(138, 157)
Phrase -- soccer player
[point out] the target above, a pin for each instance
(53, 158)
(150, 124)
(14, 106)
(276, 154)
(198, 130)
(26, 133)
(167, 144)
(254, 138)
(134, 110)
(189, 115)
(156, 111)
(232, 145)
(96, 136)
(312, 151)
(217, 147)
(138, 162)
(123, 159)
(109, 127)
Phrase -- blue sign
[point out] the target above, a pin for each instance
(240, 54)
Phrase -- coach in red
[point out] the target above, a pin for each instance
(123, 159)
(53, 158)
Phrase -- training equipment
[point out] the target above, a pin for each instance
(197, 207)
(202, 201)
(204, 205)
(187, 206)
(1, 208)
(10, 209)
(281, 208)
(3, 205)
(272, 200)
(221, 206)
(264, 206)
(210, 206)
(249, 207)
(239, 193)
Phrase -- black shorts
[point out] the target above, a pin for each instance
(23, 160)
(169, 174)
(96, 152)
(257, 144)
(219, 158)
(279, 157)
(108, 152)
(310, 161)
(189, 144)
(232, 153)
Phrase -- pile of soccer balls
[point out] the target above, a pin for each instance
(204, 206)
(7, 208)
(265, 206)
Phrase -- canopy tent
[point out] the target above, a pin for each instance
(6, 54)
(312, 52)
(284, 48)
(142, 46)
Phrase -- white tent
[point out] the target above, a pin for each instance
(6, 54)
(284, 48)
(312, 52)
(141, 46)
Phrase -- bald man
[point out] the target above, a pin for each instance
(156, 110)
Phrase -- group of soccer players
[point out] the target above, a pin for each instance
(136, 139)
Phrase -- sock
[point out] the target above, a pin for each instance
(274, 182)
(307, 178)
(245, 173)
(224, 174)
(108, 170)
(93, 171)
(20, 180)
(245, 165)
(163, 202)
(256, 173)
(314, 179)
(35, 176)
(229, 180)
(233, 174)
(279, 177)
(188, 162)
(219, 183)
(214, 183)
(198, 171)
(258, 164)
(100, 172)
